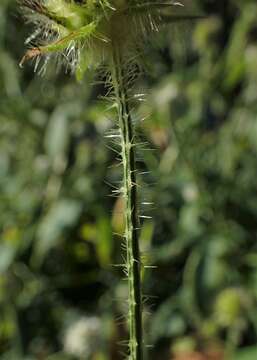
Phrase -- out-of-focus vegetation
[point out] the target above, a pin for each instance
(60, 296)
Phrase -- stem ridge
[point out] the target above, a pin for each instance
(133, 262)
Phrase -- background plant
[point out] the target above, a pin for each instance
(205, 172)
(110, 32)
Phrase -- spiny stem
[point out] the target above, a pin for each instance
(130, 197)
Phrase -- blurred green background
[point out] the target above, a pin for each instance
(60, 296)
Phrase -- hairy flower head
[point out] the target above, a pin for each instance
(83, 32)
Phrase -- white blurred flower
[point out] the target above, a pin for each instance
(82, 337)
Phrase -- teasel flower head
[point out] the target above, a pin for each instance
(82, 33)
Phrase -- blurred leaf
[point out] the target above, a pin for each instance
(60, 218)
(7, 255)
(57, 134)
(104, 241)
(167, 321)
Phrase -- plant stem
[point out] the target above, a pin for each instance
(129, 190)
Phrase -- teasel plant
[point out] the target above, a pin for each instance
(84, 34)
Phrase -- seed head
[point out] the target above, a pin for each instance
(84, 32)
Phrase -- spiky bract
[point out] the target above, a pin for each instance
(83, 32)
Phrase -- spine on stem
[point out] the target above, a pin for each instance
(129, 190)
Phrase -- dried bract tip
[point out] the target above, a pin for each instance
(30, 54)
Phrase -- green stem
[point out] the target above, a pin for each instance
(129, 191)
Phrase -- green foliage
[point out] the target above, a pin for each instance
(56, 221)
